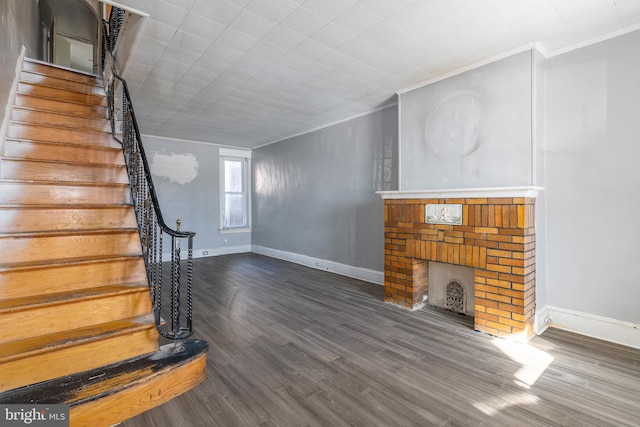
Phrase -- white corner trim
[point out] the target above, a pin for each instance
(466, 193)
(191, 141)
(234, 152)
(591, 325)
(365, 274)
(357, 116)
(594, 40)
(536, 45)
(127, 8)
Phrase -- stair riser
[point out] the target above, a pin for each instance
(69, 85)
(23, 220)
(44, 104)
(27, 281)
(44, 133)
(46, 194)
(36, 249)
(51, 171)
(62, 152)
(60, 73)
(59, 120)
(24, 282)
(61, 94)
(69, 360)
(49, 319)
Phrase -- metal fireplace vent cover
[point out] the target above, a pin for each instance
(455, 297)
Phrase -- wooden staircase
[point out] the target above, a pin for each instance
(74, 297)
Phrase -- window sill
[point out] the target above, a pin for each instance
(235, 230)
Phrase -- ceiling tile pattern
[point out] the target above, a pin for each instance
(250, 72)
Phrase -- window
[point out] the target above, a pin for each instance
(235, 196)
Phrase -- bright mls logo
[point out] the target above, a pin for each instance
(34, 415)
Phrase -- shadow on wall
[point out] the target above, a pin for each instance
(383, 165)
(385, 155)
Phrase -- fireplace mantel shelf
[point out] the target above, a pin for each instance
(466, 193)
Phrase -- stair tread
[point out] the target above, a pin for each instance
(51, 86)
(65, 233)
(50, 81)
(65, 162)
(91, 385)
(62, 183)
(29, 346)
(61, 114)
(34, 301)
(57, 112)
(58, 126)
(63, 207)
(100, 110)
(57, 93)
(40, 132)
(69, 262)
(54, 261)
(55, 143)
(67, 70)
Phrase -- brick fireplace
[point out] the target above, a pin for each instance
(495, 236)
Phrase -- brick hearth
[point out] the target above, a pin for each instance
(496, 238)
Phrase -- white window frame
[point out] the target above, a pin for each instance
(245, 156)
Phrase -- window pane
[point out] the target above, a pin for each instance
(233, 176)
(234, 210)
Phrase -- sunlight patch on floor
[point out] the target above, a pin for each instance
(534, 361)
(495, 405)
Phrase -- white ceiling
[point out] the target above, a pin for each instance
(250, 72)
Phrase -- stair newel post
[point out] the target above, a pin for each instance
(175, 289)
(176, 280)
(190, 284)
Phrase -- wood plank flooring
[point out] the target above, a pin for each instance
(294, 346)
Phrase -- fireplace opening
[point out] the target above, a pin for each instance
(451, 287)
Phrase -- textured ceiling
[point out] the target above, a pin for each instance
(249, 72)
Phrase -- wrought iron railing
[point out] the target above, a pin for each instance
(154, 232)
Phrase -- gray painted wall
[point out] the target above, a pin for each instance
(592, 147)
(186, 176)
(314, 194)
(19, 26)
(470, 130)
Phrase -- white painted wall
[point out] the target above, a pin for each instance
(186, 176)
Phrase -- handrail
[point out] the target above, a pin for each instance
(151, 224)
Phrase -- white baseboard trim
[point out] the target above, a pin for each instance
(591, 325)
(204, 253)
(360, 273)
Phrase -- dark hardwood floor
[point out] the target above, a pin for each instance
(294, 346)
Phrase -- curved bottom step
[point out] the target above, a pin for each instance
(111, 394)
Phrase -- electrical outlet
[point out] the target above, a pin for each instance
(205, 252)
